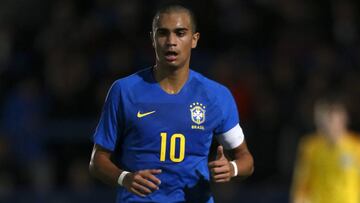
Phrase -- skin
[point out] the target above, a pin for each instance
(222, 171)
(173, 32)
(331, 121)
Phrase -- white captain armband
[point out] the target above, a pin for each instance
(121, 177)
(232, 138)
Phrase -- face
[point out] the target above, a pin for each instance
(173, 39)
(330, 120)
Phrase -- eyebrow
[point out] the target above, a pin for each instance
(176, 29)
(181, 29)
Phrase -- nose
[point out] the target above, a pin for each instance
(171, 39)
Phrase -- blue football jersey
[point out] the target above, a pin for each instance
(147, 128)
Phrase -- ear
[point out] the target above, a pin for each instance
(195, 38)
(152, 39)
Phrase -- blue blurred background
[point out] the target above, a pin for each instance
(58, 58)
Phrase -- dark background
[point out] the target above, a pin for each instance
(58, 59)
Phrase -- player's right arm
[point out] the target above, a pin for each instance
(142, 182)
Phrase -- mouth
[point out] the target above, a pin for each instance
(171, 55)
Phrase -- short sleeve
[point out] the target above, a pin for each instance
(229, 113)
(109, 126)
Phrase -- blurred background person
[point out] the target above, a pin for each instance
(328, 163)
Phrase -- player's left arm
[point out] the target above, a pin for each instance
(241, 163)
(222, 170)
(243, 159)
(231, 138)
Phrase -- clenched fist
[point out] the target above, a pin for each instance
(221, 169)
(142, 182)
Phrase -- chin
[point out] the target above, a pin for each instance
(175, 65)
(171, 64)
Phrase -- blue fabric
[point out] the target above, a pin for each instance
(190, 118)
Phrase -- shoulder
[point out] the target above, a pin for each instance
(310, 141)
(354, 135)
(212, 87)
(308, 145)
(353, 143)
(129, 81)
(354, 138)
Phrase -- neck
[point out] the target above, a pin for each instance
(171, 79)
(334, 137)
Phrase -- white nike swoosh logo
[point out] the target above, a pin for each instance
(140, 115)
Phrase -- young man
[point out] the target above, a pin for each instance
(328, 165)
(158, 124)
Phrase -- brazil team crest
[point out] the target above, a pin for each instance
(197, 113)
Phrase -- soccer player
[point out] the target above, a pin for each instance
(328, 164)
(158, 124)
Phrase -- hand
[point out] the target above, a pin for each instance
(221, 170)
(142, 182)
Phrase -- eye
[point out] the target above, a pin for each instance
(181, 33)
(162, 32)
